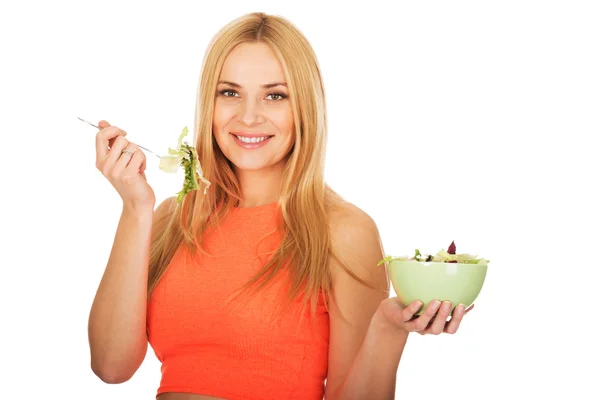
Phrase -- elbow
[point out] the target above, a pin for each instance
(116, 368)
(110, 374)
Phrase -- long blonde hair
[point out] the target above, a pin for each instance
(306, 200)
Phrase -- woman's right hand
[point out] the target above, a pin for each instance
(123, 170)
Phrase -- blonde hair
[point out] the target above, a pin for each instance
(306, 200)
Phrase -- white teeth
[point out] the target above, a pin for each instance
(252, 140)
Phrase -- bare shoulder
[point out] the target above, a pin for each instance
(163, 213)
(165, 207)
(345, 213)
(356, 241)
(351, 226)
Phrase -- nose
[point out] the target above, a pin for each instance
(251, 113)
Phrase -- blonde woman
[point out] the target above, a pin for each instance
(267, 285)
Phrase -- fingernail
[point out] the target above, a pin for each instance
(447, 305)
(437, 303)
(461, 307)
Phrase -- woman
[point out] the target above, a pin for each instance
(267, 285)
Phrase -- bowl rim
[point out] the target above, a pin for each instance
(437, 263)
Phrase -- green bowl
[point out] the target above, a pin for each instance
(427, 281)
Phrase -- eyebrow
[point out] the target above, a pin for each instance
(265, 86)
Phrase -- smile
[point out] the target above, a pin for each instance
(251, 142)
(252, 139)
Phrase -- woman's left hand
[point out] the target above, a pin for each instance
(433, 320)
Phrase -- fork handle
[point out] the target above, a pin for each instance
(97, 127)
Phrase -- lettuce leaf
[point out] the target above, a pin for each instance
(448, 256)
(184, 156)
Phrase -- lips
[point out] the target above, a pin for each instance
(251, 140)
(251, 134)
(255, 139)
(251, 137)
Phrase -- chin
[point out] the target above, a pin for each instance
(255, 165)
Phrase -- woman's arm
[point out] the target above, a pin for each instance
(368, 329)
(372, 374)
(363, 353)
(117, 320)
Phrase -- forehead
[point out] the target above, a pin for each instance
(252, 64)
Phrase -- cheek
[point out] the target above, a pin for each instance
(284, 119)
(223, 114)
(219, 119)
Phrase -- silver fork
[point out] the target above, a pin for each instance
(97, 127)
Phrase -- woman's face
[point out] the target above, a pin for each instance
(253, 122)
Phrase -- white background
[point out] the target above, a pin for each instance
(473, 121)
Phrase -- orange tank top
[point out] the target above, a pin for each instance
(206, 348)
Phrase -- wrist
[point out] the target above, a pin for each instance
(386, 341)
(384, 330)
(140, 210)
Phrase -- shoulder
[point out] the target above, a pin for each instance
(356, 244)
(351, 227)
(342, 212)
(165, 210)
(166, 206)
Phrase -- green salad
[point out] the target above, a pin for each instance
(448, 256)
(184, 156)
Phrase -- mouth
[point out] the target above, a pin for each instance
(251, 141)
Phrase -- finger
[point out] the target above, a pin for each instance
(104, 142)
(457, 316)
(133, 168)
(143, 166)
(111, 142)
(114, 155)
(125, 158)
(420, 324)
(439, 323)
(409, 312)
(470, 308)
(104, 124)
(137, 160)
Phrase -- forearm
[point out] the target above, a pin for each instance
(117, 324)
(373, 372)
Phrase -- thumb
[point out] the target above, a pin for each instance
(103, 124)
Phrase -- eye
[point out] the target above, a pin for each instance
(228, 93)
(276, 96)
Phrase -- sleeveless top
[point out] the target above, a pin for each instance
(207, 347)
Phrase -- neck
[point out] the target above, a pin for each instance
(260, 187)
